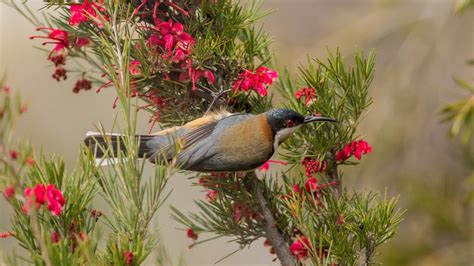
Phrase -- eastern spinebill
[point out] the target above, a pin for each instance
(217, 142)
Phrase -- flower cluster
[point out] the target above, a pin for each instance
(82, 84)
(308, 93)
(313, 166)
(62, 44)
(258, 80)
(41, 194)
(300, 248)
(81, 13)
(169, 37)
(241, 211)
(356, 148)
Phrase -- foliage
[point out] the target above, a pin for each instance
(179, 60)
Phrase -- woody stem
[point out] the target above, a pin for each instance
(270, 227)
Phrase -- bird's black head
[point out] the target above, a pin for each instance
(285, 121)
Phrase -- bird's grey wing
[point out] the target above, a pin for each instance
(200, 144)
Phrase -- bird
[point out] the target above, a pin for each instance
(217, 142)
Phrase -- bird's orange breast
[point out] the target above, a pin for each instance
(249, 142)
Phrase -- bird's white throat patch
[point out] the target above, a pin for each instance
(283, 134)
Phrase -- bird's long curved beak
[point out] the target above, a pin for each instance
(313, 118)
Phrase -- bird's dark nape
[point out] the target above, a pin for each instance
(112, 144)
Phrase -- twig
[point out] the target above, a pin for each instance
(216, 97)
(269, 224)
(333, 174)
(37, 233)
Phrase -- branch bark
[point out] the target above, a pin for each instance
(269, 223)
(333, 174)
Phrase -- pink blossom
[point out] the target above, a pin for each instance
(356, 148)
(258, 80)
(134, 67)
(40, 195)
(81, 13)
(82, 41)
(209, 76)
(308, 93)
(9, 191)
(300, 248)
(266, 165)
(212, 195)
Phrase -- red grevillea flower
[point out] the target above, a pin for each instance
(172, 39)
(9, 191)
(356, 148)
(59, 38)
(313, 166)
(82, 41)
(30, 161)
(55, 237)
(13, 154)
(300, 248)
(210, 76)
(266, 165)
(191, 234)
(128, 257)
(6, 234)
(82, 84)
(212, 195)
(59, 73)
(308, 93)
(134, 67)
(258, 80)
(40, 195)
(83, 12)
(311, 185)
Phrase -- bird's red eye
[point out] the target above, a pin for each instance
(290, 123)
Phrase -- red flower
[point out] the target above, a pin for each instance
(9, 191)
(82, 84)
(13, 154)
(191, 234)
(209, 76)
(266, 165)
(30, 161)
(6, 234)
(300, 248)
(82, 12)
(40, 195)
(311, 185)
(58, 60)
(170, 37)
(55, 237)
(356, 148)
(258, 80)
(307, 93)
(211, 195)
(313, 166)
(6, 89)
(56, 36)
(128, 257)
(59, 73)
(134, 67)
(96, 214)
(82, 41)
(297, 189)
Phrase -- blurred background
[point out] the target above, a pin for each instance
(420, 44)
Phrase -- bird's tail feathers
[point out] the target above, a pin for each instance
(112, 143)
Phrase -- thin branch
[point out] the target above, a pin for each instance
(37, 233)
(269, 223)
(333, 174)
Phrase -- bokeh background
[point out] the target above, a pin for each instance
(420, 45)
